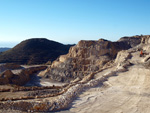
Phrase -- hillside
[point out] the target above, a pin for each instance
(34, 51)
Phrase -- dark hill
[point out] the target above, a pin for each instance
(34, 51)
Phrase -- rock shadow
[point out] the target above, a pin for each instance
(34, 81)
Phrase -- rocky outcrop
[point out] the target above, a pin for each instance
(122, 56)
(7, 77)
(131, 41)
(145, 39)
(86, 57)
(24, 77)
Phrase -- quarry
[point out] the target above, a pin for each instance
(95, 76)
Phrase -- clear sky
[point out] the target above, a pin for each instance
(69, 21)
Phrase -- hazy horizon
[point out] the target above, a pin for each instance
(8, 44)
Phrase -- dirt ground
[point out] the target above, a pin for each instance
(128, 92)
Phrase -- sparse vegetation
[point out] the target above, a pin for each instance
(34, 51)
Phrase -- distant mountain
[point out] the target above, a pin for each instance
(4, 49)
(34, 51)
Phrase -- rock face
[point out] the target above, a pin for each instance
(34, 51)
(87, 57)
(145, 39)
(131, 41)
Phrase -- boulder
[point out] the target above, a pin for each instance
(122, 56)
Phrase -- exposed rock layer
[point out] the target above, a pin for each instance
(87, 57)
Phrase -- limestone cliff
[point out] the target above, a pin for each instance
(131, 41)
(87, 57)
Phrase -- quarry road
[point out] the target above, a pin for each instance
(128, 92)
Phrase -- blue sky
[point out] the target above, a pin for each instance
(69, 21)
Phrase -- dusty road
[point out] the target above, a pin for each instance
(128, 92)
